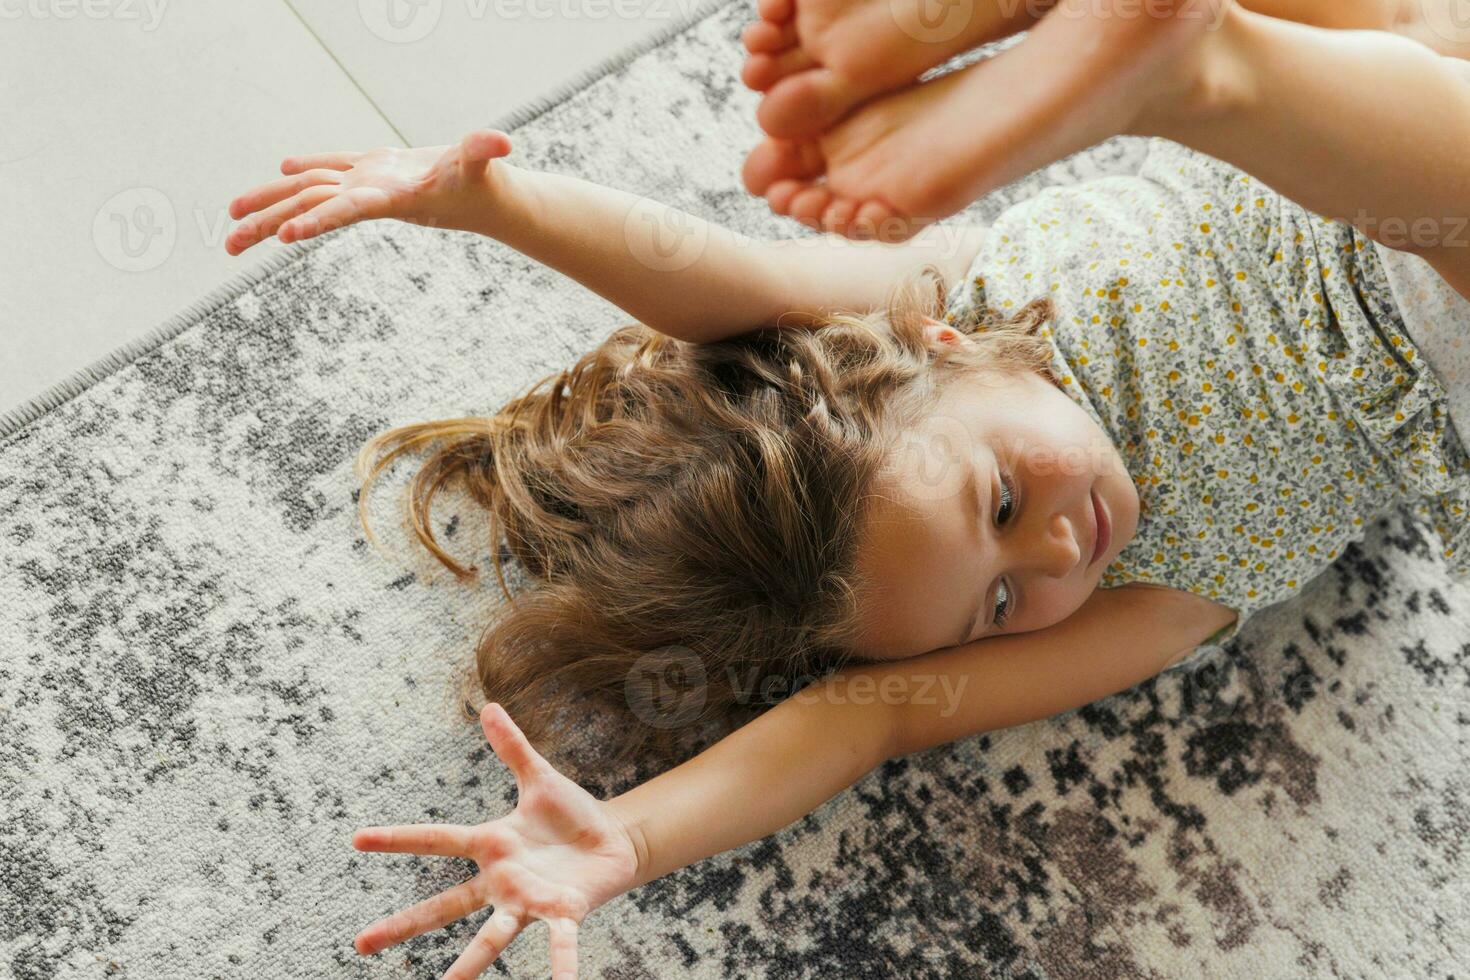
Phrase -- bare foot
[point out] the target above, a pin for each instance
(908, 159)
(818, 59)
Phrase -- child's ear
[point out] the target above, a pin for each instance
(937, 332)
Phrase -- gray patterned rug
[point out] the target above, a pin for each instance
(208, 679)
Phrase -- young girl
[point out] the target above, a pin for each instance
(1151, 406)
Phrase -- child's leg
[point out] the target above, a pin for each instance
(818, 60)
(1440, 24)
(920, 154)
(1342, 14)
(1083, 74)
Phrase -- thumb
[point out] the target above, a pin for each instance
(511, 745)
(483, 145)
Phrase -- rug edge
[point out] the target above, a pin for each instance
(33, 409)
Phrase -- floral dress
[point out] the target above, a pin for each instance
(1250, 362)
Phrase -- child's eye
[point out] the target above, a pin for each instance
(1002, 605)
(1007, 502)
(1004, 601)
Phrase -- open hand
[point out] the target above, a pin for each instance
(436, 186)
(560, 854)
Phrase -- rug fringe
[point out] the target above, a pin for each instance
(536, 107)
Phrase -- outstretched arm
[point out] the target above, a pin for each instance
(696, 280)
(678, 274)
(562, 853)
(815, 744)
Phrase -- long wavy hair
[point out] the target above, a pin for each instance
(689, 515)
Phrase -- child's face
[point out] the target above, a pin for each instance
(944, 543)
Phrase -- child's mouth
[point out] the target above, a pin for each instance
(1103, 528)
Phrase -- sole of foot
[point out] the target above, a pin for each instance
(817, 60)
(915, 156)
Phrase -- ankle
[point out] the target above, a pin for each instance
(1211, 81)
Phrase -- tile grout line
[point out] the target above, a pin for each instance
(289, 5)
(16, 421)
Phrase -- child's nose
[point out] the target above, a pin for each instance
(1056, 547)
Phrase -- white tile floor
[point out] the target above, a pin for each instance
(126, 126)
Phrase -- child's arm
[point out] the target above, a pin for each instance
(671, 271)
(1366, 127)
(562, 853)
(695, 280)
(817, 743)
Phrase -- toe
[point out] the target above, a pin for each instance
(761, 71)
(876, 220)
(764, 37)
(780, 194)
(839, 215)
(871, 219)
(776, 11)
(776, 160)
(809, 204)
(806, 103)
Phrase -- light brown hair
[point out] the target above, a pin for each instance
(691, 508)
